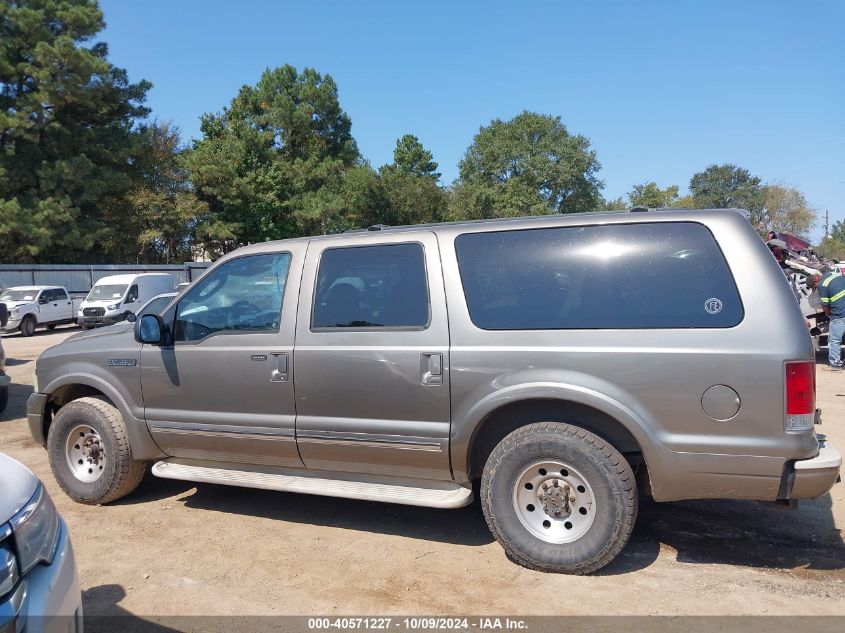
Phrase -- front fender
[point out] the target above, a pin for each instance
(141, 442)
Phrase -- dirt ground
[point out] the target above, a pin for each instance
(175, 548)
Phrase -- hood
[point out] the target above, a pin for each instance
(117, 329)
(17, 304)
(17, 485)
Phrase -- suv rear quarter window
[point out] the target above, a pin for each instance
(617, 276)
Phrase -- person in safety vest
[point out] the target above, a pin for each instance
(832, 297)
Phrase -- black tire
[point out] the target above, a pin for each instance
(28, 326)
(83, 326)
(608, 473)
(4, 398)
(121, 474)
(51, 327)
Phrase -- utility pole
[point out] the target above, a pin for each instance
(826, 224)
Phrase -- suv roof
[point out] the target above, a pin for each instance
(640, 214)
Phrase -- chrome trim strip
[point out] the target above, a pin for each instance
(368, 441)
(364, 440)
(281, 435)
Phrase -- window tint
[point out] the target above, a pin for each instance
(372, 286)
(154, 306)
(658, 275)
(59, 294)
(242, 295)
(132, 295)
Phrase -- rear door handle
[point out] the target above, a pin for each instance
(431, 369)
(279, 367)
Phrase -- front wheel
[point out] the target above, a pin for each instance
(28, 326)
(558, 498)
(90, 453)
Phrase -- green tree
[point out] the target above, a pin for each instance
(728, 186)
(410, 158)
(616, 204)
(410, 186)
(785, 209)
(164, 207)
(685, 202)
(833, 246)
(529, 165)
(272, 165)
(66, 132)
(650, 195)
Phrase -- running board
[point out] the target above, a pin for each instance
(414, 492)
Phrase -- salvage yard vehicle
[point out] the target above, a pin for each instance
(39, 584)
(566, 363)
(31, 307)
(112, 298)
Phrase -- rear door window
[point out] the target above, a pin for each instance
(618, 276)
(381, 286)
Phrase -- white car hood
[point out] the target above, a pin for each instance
(99, 302)
(17, 485)
(17, 304)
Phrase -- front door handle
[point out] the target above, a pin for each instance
(279, 367)
(431, 369)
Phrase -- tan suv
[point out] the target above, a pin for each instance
(565, 363)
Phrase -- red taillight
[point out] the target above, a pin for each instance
(800, 395)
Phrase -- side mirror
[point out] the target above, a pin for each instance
(149, 329)
(43, 300)
(131, 317)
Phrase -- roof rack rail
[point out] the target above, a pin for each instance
(378, 227)
(638, 209)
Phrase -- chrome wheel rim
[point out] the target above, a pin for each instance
(554, 502)
(85, 453)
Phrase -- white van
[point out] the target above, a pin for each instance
(112, 298)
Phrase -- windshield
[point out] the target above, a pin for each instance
(106, 292)
(19, 295)
(154, 306)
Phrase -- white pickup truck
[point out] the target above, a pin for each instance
(35, 306)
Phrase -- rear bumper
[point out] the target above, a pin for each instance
(36, 404)
(814, 477)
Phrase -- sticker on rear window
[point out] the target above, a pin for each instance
(713, 305)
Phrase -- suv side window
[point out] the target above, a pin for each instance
(242, 295)
(616, 276)
(381, 286)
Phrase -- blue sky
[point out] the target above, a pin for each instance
(662, 89)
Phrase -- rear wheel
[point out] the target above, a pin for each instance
(558, 498)
(28, 326)
(90, 453)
